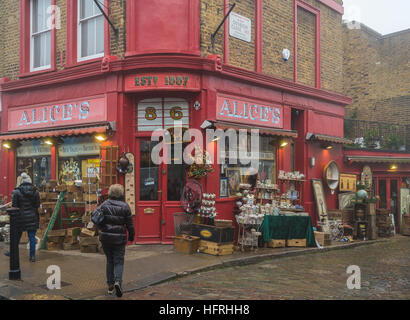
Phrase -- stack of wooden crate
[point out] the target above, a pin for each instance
(89, 241)
(384, 223)
(214, 240)
(55, 240)
(71, 241)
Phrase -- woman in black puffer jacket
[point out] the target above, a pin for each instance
(113, 236)
(27, 198)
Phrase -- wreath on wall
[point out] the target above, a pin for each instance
(200, 166)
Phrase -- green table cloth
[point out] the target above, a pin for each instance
(288, 227)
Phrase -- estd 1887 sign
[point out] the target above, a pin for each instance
(162, 114)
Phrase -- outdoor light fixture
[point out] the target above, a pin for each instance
(49, 142)
(327, 146)
(101, 137)
(283, 143)
(7, 145)
(286, 54)
(393, 167)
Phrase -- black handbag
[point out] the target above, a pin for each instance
(97, 217)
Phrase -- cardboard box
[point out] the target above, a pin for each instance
(296, 242)
(273, 243)
(88, 233)
(188, 244)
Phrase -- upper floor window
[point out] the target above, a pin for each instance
(90, 31)
(40, 49)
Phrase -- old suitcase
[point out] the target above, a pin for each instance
(214, 234)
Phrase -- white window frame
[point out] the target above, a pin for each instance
(32, 68)
(79, 21)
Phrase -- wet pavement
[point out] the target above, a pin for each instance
(384, 267)
(244, 275)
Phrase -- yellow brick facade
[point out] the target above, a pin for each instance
(277, 33)
(376, 75)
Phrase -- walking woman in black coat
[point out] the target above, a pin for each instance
(27, 198)
(113, 236)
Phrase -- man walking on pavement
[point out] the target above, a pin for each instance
(117, 220)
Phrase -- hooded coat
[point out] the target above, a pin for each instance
(27, 198)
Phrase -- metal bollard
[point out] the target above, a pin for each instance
(14, 273)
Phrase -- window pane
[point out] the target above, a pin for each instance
(39, 15)
(86, 8)
(99, 35)
(176, 181)
(149, 172)
(85, 26)
(42, 50)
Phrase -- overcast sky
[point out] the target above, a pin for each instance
(383, 16)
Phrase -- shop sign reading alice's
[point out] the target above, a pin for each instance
(58, 114)
(247, 112)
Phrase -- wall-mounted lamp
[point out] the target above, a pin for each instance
(312, 162)
(286, 54)
(11, 144)
(7, 145)
(101, 137)
(327, 146)
(393, 167)
(49, 142)
(283, 143)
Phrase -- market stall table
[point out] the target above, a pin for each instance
(288, 227)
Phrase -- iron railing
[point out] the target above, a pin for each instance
(377, 135)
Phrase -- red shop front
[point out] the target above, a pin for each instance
(282, 112)
(390, 174)
(128, 103)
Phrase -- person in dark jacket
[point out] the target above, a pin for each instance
(113, 236)
(27, 199)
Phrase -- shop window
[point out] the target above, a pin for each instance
(149, 172)
(90, 31)
(40, 48)
(239, 173)
(78, 157)
(34, 158)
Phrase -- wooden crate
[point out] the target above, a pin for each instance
(88, 233)
(274, 243)
(90, 198)
(58, 233)
(323, 238)
(71, 246)
(187, 245)
(86, 241)
(216, 249)
(296, 243)
(73, 232)
(92, 248)
(54, 246)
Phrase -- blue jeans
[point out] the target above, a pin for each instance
(32, 240)
(115, 262)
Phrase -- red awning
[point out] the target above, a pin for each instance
(378, 159)
(326, 138)
(262, 130)
(53, 133)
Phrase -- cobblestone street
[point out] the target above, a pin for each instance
(385, 274)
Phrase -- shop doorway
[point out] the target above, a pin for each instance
(388, 191)
(159, 189)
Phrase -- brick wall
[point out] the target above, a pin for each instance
(10, 42)
(277, 35)
(10, 30)
(376, 75)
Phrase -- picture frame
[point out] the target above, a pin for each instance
(223, 188)
(347, 182)
(234, 180)
(320, 200)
